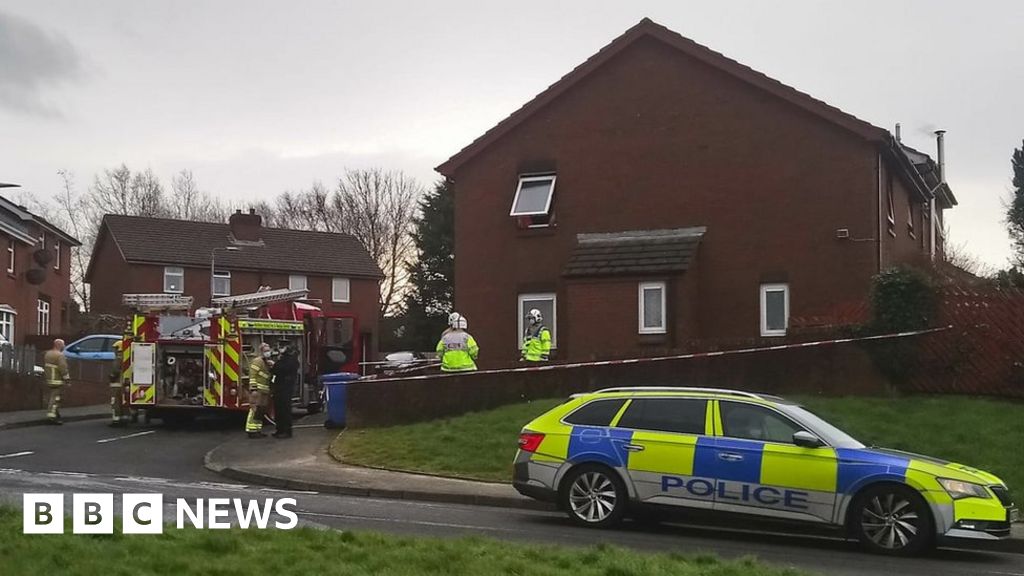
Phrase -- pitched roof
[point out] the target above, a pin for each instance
(13, 220)
(634, 252)
(647, 28)
(187, 243)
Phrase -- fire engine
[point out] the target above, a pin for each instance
(176, 363)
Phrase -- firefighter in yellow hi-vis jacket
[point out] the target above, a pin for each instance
(259, 391)
(55, 367)
(118, 410)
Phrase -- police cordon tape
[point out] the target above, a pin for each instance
(692, 355)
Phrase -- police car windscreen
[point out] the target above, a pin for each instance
(834, 436)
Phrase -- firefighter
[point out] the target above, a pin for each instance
(55, 367)
(118, 414)
(536, 339)
(457, 349)
(259, 391)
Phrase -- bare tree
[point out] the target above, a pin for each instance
(73, 217)
(119, 191)
(188, 202)
(377, 207)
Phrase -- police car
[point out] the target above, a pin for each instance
(604, 454)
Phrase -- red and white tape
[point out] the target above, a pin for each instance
(735, 352)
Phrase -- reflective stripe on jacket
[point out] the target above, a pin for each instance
(458, 351)
(259, 374)
(55, 368)
(537, 344)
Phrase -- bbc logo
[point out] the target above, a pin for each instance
(93, 513)
(144, 513)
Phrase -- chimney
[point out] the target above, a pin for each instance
(898, 139)
(246, 227)
(940, 140)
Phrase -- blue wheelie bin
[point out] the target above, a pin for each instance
(334, 391)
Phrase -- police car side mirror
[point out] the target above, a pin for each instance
(805, 439)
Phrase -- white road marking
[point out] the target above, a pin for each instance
(416, 522)
(141, 479)
(219, 485)
(10, 471)
(116, 438)
(15, 455)
(308, 426)
(276, 491)
(74, 474)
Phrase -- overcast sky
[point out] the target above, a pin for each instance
(259, 97)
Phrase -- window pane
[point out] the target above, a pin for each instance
(597, 413)
(296, 282)
(547, 310)
(340, 290)
(652, 308)
(222, 285)
(756, 423)
(775, 309)
(682, 415)
(533, 197)
(174, 280)
(90, 345)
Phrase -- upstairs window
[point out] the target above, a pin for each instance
(532, 202)
(10, 255)
(340, 290)
(56, 253)
(297, 282)
(222, 283)
(174, 280)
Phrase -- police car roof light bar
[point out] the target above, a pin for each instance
(725, 391)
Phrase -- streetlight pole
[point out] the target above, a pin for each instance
(213, 256)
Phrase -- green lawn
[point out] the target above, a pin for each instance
(309, 551)
(987, 434)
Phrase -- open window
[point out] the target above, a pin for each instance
(532, 203)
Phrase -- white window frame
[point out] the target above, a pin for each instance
(42, 242)
(292, 278)
(335, 283)
(10, 256)
(170, 271)
(56, 250)
(550, 323)
(519, 188)
(644, 286)
(8, 322)
(42, 317)
(220, 275)
(765, 289)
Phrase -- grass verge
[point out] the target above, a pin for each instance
(309, 551)
(983, 433)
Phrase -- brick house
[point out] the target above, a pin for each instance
(35, 283)
(153, 255)
(661, 193)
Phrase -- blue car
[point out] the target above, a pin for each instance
(93, 347)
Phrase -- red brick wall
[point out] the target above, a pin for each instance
(15, 291)
(657, 140)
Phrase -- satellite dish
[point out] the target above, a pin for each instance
(42, 257)
(35, 276)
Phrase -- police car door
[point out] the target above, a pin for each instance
(761, 471)
(661, 450)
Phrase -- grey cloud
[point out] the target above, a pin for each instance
(31, 61)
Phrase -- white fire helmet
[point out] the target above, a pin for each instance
(463, 323)
(535, 316)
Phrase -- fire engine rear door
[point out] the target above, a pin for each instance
(213, 368)
(143, 383)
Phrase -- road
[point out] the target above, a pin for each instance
(90, 457)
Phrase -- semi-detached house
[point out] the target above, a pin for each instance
(661, 193)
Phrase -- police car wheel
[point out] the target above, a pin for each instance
(593, 496)
(892, 519)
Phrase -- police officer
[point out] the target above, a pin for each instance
(536, 339)
(118, 412)
(55, 368)
(286, 372)
(259, 391)
(457, 349)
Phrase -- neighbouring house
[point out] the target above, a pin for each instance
(35, 283)
(204, 260)
(662, 193)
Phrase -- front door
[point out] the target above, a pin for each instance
(761, 471)
(662, 450)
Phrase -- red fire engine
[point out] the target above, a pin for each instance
(176, 362)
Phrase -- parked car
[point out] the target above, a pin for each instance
(93, 347)
(606, 454)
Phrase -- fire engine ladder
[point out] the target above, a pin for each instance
(255, 299)
(156, 302)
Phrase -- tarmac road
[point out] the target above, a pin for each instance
(90, 457)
